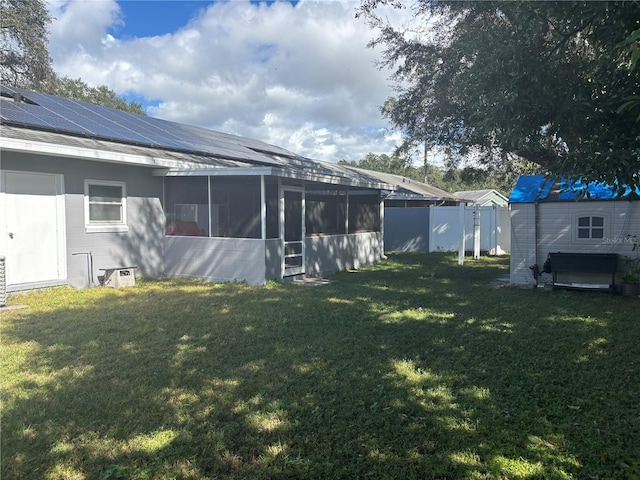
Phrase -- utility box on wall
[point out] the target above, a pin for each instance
(119, 277)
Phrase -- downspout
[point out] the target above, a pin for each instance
(535, 267)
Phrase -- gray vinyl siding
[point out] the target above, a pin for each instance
(142, 246)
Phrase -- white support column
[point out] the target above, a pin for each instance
(381, 206)
(429, 226)
(476, 232)
(494, 230)
(346, 213)
(461, 209)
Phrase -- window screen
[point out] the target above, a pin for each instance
(105, 202)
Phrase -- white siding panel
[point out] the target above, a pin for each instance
(523, 237)
(556, 227)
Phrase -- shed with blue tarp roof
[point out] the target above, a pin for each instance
(539, 188)
(564, 215)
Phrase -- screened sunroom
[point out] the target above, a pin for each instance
(258, 224)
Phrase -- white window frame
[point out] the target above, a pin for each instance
(101, 226)
(591, 215)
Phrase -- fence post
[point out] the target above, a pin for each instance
(430, 239)
(461, 245)
(476, 231)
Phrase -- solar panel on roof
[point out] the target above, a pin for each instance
(9, 106)
(29, 115)
(20, 116)
(168, 134)
(80, 118)
(114, 120)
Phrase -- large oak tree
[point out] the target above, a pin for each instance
(542, 81)
(24, 58)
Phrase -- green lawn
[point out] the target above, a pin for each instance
(414, 368)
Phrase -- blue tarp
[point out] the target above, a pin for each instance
(536, 188)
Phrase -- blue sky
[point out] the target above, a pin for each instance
(295, 74)
(145, 18)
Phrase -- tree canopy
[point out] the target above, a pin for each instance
(541, 81)
(76, 89)
(450, 178)
(383, 163)
(25, 60)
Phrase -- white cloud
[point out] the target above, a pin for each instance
(298, 76)
(82, 26)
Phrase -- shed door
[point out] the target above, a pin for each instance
(293, 260)
(34, 224)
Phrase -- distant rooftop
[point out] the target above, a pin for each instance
(407, 188)
(477, 196)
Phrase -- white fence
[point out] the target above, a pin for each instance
(443, 229)
(486, 229)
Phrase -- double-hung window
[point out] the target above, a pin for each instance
(105, 206)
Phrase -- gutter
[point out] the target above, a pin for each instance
(300, 174)
(29, 146)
